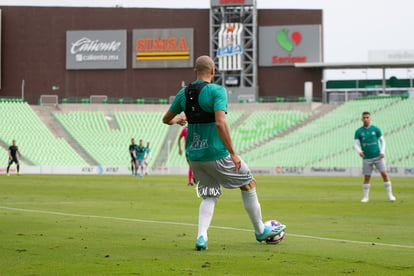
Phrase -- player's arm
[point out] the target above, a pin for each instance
(382, 146)
(180, 150)
(223, 130)
(357, 147)
(133, 154)
(171, 118)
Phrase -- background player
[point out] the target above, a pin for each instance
(140, 153)
(132, 149)
(370, 145)
(183, 137)
(13, 152)
(147, 158)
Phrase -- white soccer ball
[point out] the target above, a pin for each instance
(278, 238)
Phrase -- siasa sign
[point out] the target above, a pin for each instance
(286, 45)
(96, 49)
(163, 48)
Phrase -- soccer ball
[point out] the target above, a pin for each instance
(278, 238)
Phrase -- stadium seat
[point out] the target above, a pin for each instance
(36, 143)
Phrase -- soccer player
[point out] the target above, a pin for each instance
(132, 149)
(370, 145)
(147, 157)
(13, 152)
(211, 153)
(183, 136)
(140, 153)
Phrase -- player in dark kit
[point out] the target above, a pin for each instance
(13, 152)
(132, 149)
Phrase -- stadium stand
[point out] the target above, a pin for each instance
(321, 139)
(36, 143)
(109, 147)
(262, 125)
(397, 123)
(278, 134)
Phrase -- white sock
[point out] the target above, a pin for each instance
(388, 187)
(365, 189)
(205, 215)
(252, 206)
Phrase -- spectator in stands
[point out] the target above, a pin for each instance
(132, 149)
(13, 153)
(370, 145)
(147, 158)
(211, 152)
(140, 153)
(183, 136)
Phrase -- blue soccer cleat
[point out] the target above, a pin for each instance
(270, 231)
(201, 244)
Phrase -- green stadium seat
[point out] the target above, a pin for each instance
(36, 143)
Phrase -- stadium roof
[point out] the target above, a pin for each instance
(356, 65)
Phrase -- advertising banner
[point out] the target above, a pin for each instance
(96, 49)
(267, 171)
(286, 45)
(163, 48)
(230, 48)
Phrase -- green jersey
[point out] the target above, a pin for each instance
(140, 152)
(368, 138)
(203, 142)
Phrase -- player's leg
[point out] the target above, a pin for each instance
(8, 167)
(141, 168)
(146, 167)
(252, 206)
(244, 180)
(132, 167)
(18, 167)
(205, 215)
(190, 177)
(210, 194)
(190, 172)
(388, 185)
(136, 167)
(380, 164)
(366, 186)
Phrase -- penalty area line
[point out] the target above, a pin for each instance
(195, 225)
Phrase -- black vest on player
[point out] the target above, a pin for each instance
(193, 111)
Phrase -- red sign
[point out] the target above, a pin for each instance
(288, 59)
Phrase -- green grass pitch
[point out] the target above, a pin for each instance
(123, 225)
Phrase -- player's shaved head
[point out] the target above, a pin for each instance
(204, 65)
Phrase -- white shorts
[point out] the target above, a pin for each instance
(219, 173)
(368, 165)
(139, 163)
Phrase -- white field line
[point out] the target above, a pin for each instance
(195, 225)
